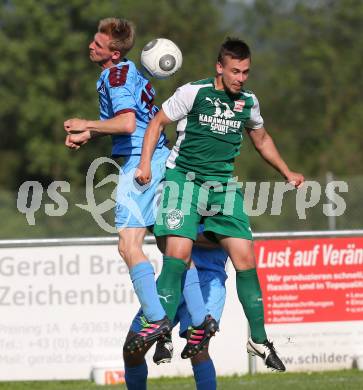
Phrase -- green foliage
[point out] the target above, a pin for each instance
(46, 76)
(307, 60)
(337, 380)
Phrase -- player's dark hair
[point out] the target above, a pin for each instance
(234, 48)
(121, 31)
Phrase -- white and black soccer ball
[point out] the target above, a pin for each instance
(161, 58)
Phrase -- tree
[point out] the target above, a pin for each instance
(46, 76)
(307, 58)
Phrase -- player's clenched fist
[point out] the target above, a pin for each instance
(75, 141)
(143, 174)
(295, 179)
(75, 125)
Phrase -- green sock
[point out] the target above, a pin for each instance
(249, 294)
(169, 284)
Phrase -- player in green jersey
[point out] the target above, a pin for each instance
(212, 115)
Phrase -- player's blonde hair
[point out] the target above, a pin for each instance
(121, 32)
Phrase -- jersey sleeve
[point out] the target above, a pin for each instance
(255, 121)
(122, 99)
(181, 103)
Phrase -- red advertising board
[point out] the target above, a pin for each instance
(311, 280)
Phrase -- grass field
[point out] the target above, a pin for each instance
(336, 380)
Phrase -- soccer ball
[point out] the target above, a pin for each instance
(161, 58)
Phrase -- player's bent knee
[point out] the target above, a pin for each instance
(131, 237)
(178, 252)
(179, 247)
(124, 250)
(130, 250)
(179, 255)
(244, 264)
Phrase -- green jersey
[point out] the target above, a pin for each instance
(210, 127)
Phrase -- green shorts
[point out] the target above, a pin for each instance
(188, 201)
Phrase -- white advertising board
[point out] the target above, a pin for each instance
(65, 309)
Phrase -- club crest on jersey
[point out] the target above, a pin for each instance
(174, 219)
(238, 105)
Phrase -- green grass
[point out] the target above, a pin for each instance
(336, 380)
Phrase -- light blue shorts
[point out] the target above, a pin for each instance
(136, 206)
(213, 289)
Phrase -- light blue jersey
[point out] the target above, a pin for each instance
(121, 89)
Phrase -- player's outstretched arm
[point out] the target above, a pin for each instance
(152, 135)
(265, 145)
(121, 124)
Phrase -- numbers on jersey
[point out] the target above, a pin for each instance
(147, 97)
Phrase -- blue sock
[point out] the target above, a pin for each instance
(136, 377)
(142, 276)
(194, 298)
(205, 375)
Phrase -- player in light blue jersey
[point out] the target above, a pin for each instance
(126, 106)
